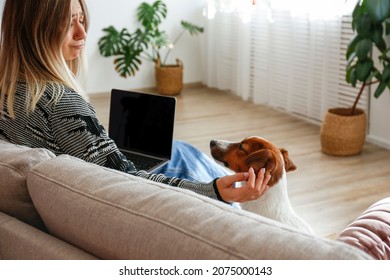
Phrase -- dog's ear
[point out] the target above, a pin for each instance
(260, 159)
(288, 164)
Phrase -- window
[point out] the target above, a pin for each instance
(288, 54)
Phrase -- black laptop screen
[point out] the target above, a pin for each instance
(142, 122)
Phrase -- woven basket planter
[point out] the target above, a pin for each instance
(343, 134)
(169, 78)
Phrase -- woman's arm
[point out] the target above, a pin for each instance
(79, 133)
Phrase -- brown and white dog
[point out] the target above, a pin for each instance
(257, 152)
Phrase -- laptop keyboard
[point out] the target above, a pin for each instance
(141, 162)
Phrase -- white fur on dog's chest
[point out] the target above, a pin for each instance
(275, 204)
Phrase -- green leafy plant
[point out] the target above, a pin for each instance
(371, 23)
(147, 42)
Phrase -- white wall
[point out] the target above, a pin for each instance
(121, 13)
(379, 117)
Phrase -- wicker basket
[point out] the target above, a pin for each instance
(169, 78)
(343, 134)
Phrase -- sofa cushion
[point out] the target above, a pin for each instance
(370, 232)
(113, 215)
(15, 163)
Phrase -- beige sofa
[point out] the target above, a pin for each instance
(63, 208)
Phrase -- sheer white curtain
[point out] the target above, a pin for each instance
(227, 46)
(288, 54)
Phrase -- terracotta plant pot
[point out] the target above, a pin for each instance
(343, 134)
(169, 78)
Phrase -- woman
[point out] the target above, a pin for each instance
(43, 105)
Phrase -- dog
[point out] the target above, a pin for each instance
(257, 153)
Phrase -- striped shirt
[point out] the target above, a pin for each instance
(70, 126)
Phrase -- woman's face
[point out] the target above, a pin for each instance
(75, 39)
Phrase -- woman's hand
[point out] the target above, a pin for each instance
(254, 188)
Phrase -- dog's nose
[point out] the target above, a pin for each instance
(212, 143)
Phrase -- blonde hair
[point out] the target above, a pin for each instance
(32, 33)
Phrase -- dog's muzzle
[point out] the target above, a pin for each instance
(217, 149)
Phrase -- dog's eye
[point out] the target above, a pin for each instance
(242, 149)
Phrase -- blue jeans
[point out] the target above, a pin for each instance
(190, 163)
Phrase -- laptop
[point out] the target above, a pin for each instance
(141, 125)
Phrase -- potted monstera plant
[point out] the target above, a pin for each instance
(149, 43)
(343, 131)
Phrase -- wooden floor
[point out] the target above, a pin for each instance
(328, 192)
